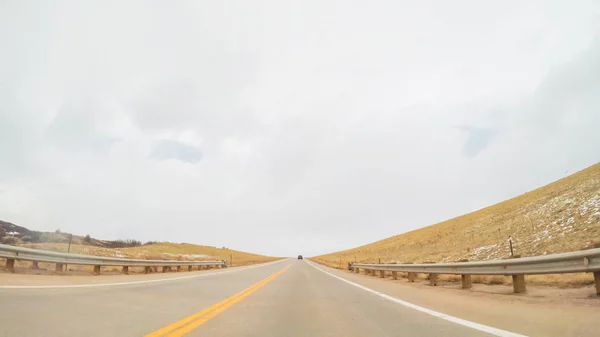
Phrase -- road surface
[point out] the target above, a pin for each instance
(285, 298)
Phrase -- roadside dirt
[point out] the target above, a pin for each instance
(568, 312)
(584, 295)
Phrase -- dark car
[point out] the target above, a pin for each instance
(299, 257)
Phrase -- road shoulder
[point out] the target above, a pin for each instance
(525, 314)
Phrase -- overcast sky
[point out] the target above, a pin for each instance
(286, 127)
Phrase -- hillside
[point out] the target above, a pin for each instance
(56, 241)
(162, 251)
(560, 217)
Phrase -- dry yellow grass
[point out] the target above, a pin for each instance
(158, 251)
(560, 217)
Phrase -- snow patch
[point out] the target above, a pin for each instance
(188, 256)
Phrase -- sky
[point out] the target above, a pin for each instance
(288, 127)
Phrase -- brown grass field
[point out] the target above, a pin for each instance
(560, 217)
(157, 251)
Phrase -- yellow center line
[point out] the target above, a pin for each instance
(189, 323)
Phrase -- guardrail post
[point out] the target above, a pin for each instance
(465, 278)
(395, 275)
(518, 283)
(10, 265)
(97, 270)
(34, 265)
(59, 268)
(382, 273)
(411, 276)
(178, 269)
(433, 279)
(466, 281)
(147, 270)
(597, 282)
(125, 270)
(189, 268)
(356, 270)
(164, 269)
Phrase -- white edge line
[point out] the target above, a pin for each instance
(472, 325)
(138, 282)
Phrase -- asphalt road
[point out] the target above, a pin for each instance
(286, 298)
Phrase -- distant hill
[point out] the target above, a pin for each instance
(57, 241)
(560, 217)
(13, 234)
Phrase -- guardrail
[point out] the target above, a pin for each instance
(12, 253)
(585, 261)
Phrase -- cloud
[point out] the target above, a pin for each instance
(170, 149)
(478, 139)
(287, 129)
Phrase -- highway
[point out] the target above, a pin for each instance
(286, 298)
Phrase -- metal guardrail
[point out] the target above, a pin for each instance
(12, 253)
(575, 262)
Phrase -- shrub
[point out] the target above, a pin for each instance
(123, 243)
(9, 240)
(87, 239)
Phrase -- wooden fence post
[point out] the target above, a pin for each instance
(10, 265)
(433, 279)
(519, 283)
(466, 281)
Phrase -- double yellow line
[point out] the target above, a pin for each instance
(189, 323)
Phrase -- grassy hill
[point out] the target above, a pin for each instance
(58, 241)
(560, 217)
(162, 251)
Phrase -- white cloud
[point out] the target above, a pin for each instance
(320, 126)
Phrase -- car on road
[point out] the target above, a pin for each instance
(300, 257)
